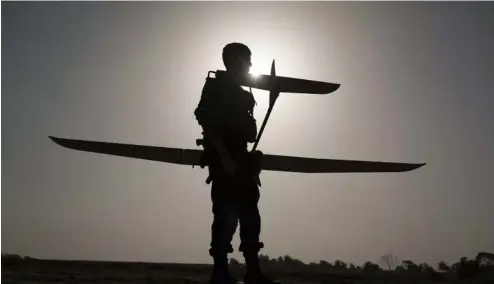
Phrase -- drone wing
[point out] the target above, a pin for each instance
(152, 153)
(285, 84)
(270, 162)
(313, 165)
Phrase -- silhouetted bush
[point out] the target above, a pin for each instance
(480, 269)
(466, 269)
(443, 266)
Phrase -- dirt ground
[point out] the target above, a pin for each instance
(53, 271)
(48, 271)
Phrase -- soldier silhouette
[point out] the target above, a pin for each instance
(225, 113)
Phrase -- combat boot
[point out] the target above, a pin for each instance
(254, 275)
(220, 274)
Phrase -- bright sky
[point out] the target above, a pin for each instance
(416, 87)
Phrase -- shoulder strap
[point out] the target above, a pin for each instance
(207, 91)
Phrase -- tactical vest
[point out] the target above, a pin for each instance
(228, 109)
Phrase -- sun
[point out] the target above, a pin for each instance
(260, 65)
(254, 74)
(255, 71)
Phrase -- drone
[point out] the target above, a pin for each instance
(268, 162)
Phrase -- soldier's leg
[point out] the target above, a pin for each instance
(225, 221)
(250, 230)
(250, 220)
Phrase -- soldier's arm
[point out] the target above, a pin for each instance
(209, 116)
(212, 135)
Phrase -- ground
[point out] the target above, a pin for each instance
(54, 271)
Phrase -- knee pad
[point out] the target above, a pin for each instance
(215, 251)
(254, 247)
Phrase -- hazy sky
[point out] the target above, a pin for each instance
(416, 87)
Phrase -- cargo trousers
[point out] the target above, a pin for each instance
(235, 202)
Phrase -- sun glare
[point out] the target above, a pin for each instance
(254, 74)
(257, 69)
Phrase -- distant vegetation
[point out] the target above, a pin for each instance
(389, 268)
(480, 267)
(9, 257)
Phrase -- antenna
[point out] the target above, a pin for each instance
(273, 95)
